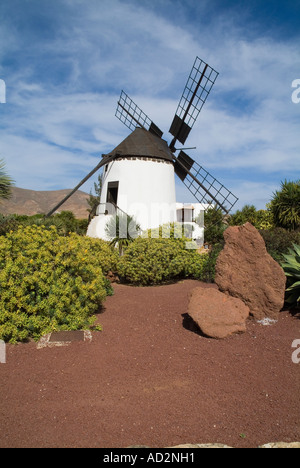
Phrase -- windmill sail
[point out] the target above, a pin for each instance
(203, 186)
(197, 88)
(132, 116)
(104, 161)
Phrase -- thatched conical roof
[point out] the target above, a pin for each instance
(142, 143)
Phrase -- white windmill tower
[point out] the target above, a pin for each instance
(139, 181)
(139, 174)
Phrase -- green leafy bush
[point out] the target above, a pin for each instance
(285, 206)
(214, 225)
(278, 241)
(291, 268)
(65, 223)
(49, 282)
(153, 261)
(169, 231)
(7, 224)
(209, 268)
(261, 219)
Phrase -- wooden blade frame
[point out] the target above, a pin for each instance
(132, 116)
(197, 88)
(104, 161)
(202, 185)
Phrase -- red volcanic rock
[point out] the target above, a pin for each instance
(245, 270)
(217, 314)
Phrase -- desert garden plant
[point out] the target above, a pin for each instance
(285, 206)
(214, 225)
(154, 261)
(261, 219)
(209, 267)
(50, 282)
(279, 240)
(7, 223)
(65, 223)
(291, 267)
(173, 230)
(122, 229)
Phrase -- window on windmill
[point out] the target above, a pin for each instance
(112, 193)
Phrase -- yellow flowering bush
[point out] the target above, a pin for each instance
(153, 261)
(49, 282)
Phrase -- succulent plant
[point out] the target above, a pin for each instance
(291, 267)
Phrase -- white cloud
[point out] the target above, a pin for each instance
(38, 165)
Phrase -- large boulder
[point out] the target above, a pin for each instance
(245, 270)
(217, 314)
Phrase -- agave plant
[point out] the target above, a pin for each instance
(291, 268)
(122, 230)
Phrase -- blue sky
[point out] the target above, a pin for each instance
(64, 63)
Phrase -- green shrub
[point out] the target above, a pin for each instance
(291, 268)
(209, 269)
(153, 261)
(285, 206)
(214, 225)
(7, 224)
(168, 231)
(65, 223)
(278, 241)
(49, 282)
(261, 219)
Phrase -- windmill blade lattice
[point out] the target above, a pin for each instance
(202, 185)
(197, 88)
(132, 116)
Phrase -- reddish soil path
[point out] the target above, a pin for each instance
(150, 379)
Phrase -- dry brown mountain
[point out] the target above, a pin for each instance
(30, 202)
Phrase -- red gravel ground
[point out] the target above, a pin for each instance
(150, 379)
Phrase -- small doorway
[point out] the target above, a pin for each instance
(112, 193)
